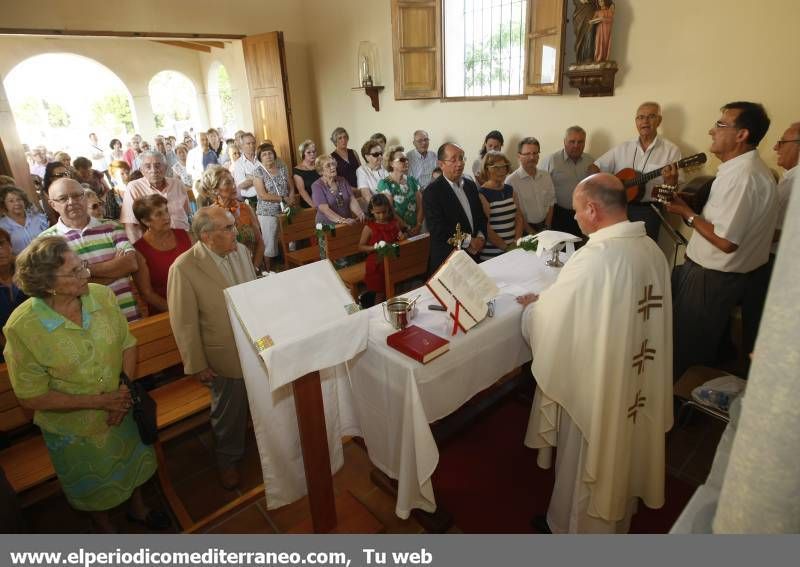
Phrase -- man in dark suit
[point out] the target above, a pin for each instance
(451, 200)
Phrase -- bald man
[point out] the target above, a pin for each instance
(603, 387)
(100, 242)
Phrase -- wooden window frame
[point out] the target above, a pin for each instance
(436, 90)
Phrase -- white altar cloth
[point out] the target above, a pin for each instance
(308, 335)
(397, 397)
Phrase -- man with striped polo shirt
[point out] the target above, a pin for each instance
(101, 243)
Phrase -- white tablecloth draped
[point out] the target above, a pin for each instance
(397, 397)
(303, 311)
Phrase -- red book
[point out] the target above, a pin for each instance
(418, 343)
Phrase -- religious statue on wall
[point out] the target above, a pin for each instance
(602, 20)
(592, 20)
(593, 71)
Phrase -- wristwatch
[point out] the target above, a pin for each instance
(690, 221)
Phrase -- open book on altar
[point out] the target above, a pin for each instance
(464, 289)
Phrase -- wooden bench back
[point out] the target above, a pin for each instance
(345, 243)
(12, 415)
(303, 226)
(412, 261)
(156, 348)
(156, 351)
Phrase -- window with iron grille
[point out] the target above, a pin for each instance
(484, 47)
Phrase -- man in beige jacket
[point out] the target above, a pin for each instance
(202, 330)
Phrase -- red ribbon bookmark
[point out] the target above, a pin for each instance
(455, 318)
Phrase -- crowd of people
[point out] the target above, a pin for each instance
(137, 229)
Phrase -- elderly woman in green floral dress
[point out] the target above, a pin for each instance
(65, 348)
(403, 190)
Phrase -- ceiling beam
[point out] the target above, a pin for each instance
(219, 44)
(108, 33)
(184, 45)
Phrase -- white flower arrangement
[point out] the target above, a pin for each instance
(383, 249)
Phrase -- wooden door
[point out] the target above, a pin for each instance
(265, 65)
(12, 156)
(416, 42)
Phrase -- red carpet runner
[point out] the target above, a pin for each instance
(489, 480)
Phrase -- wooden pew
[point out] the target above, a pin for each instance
(343, 244)
(412, 261)
(302, 227)
(26, 462)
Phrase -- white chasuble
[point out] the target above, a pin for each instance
(601, 338)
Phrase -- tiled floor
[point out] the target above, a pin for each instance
(690, 451)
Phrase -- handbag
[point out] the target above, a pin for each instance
(144, 410)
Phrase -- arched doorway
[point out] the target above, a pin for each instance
(220, 94)
(173, 98)
(59, 98)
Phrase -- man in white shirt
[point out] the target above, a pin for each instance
(731, 240)
(421, 162)
(603, 389)
(533, 187)
(97, 154)
(647, 152)
(567, 168)
(788, 152)
(246, 169)
(155, 181)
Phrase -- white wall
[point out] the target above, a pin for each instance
(692, 56)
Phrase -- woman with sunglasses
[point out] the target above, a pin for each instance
(370, 174)
(403, 190)
(19, 218)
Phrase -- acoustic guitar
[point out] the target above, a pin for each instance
(634, 181)
(695, 192)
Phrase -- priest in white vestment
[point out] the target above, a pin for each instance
(601, 338)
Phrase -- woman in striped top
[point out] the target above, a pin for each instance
(500, 206)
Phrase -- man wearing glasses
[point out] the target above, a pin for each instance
(197, 313)
(533, 187)
(730, 242)
(645, 153)
(449, 201)
(421, 162)
(102, 243)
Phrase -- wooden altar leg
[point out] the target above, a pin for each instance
(317, 463)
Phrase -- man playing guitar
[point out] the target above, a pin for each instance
(645, 153)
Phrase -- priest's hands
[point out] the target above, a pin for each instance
(527, 299)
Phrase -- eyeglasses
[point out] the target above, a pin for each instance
(646, 116)
(77, 273)
(499, 166)
(421, 140)
(779, 143)
(719, 124)
(377, 154)
(74, 197)
(401, 159)
(62, 174)
(457, 159)
(530, 154)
